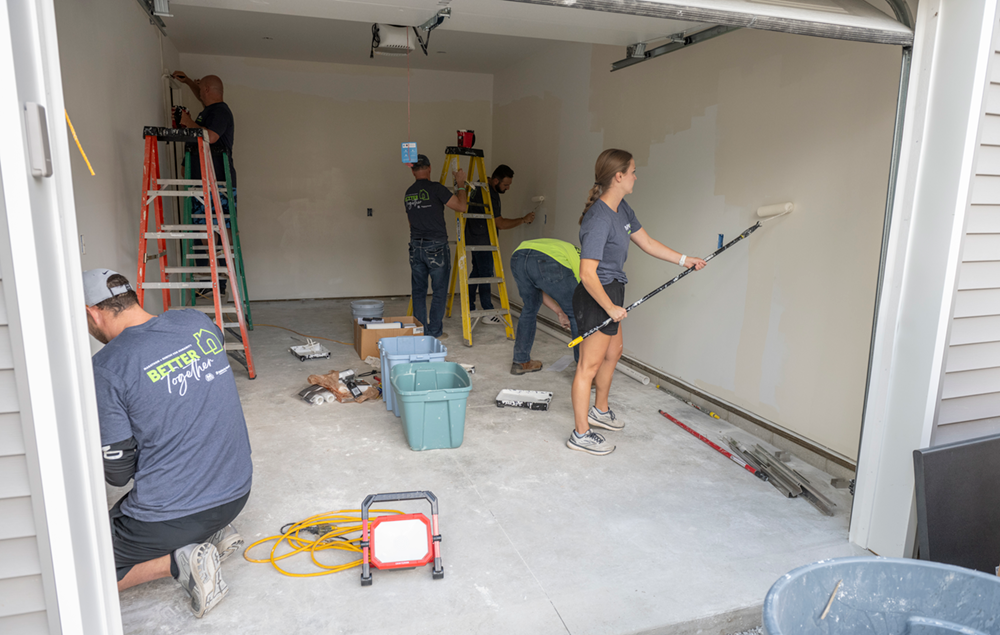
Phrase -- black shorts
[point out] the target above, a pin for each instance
(589, 313)
(137, 541)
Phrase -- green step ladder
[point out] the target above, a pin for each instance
(197, 252)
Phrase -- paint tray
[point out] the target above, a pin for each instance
(530, 399)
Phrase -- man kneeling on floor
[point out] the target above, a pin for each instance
(171, 420)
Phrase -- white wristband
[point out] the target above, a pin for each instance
(681, 261)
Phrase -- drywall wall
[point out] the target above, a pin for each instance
(109, 102)
(317, 144)
(780, 324)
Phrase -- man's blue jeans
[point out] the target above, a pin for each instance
(430, 257)
(535, 273)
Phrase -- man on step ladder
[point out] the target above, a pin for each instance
(477, 233)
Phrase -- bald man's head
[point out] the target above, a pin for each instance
(210, 89)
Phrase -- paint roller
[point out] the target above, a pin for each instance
(767, 212)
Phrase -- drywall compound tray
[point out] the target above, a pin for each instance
(530, 399)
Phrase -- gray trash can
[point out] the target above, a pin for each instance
(883, 596)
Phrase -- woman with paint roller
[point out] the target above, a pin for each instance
(606, 227)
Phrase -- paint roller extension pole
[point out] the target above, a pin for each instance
(729, 455)
(715, 253)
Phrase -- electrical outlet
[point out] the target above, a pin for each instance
(369, 211)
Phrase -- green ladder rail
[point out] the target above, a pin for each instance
(187, 250)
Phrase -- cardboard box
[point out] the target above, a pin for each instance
(366, 341)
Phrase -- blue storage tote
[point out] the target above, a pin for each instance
(407, 349)
(432, 398)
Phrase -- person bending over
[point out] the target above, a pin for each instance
(171, 422)
(607, 226)
(546, 272)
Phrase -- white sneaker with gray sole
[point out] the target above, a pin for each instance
(606, 420)
(227, 541)
(201, 576)
(592, 443)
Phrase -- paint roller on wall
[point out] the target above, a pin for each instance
(767, 212)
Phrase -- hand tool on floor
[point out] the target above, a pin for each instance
(729, 455)
(347, 378)
(769, 212)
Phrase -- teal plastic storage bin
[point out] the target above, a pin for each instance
(407, 349)
(432, 398)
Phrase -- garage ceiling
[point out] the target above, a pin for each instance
(488, 35)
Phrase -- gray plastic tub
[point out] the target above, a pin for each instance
(367, 308)
(883, 596)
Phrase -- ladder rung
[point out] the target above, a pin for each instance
(207, 308)
(184, 228)
(204, 256)
(222, 270)
(177, 193)
(177, 285)
(203, 216)
(485, 312)
(234, 346)
(482, 248)
(222, 186)
(483, 280)
(181, 235)
(476, 216)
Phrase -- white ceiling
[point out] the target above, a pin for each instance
(480, 36)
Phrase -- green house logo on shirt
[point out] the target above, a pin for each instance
(208, 342)
(628, 228)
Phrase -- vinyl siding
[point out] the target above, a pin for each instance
(970, 394)
(22, 596)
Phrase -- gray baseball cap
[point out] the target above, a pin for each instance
(96, 289)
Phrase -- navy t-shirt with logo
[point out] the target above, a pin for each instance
(605, 236)
(219, 119)
(167, 382)
(425, 201)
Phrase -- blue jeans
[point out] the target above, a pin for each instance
(535, 273)
(482, 267)
(429, 257)
(197, 207)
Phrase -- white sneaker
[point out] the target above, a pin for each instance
(606, 420)
(227, 541)
(591, 443)
(200, 574)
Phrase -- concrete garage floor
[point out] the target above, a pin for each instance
(662, 536)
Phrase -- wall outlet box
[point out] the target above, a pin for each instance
(369, 211)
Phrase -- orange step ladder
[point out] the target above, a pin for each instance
(154, 190)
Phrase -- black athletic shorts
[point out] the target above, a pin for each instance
(589, 313)
(137, 541)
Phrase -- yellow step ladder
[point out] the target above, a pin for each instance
(460, 270)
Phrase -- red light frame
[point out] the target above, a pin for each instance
(404, 564)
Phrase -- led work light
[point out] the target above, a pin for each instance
(405, 541)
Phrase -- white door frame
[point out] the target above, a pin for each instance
(49, 332)
(940, 135)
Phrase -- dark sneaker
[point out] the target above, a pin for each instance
(496, 320)
(227, 541)
(201, 576)
(442, 337)
(591, 443)
(527, 367)
(607, 421)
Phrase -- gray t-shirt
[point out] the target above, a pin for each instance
(168, 384)
(604, 236)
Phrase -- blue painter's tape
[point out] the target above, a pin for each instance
(720, 241)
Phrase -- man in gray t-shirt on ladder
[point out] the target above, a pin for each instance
(171, 421)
